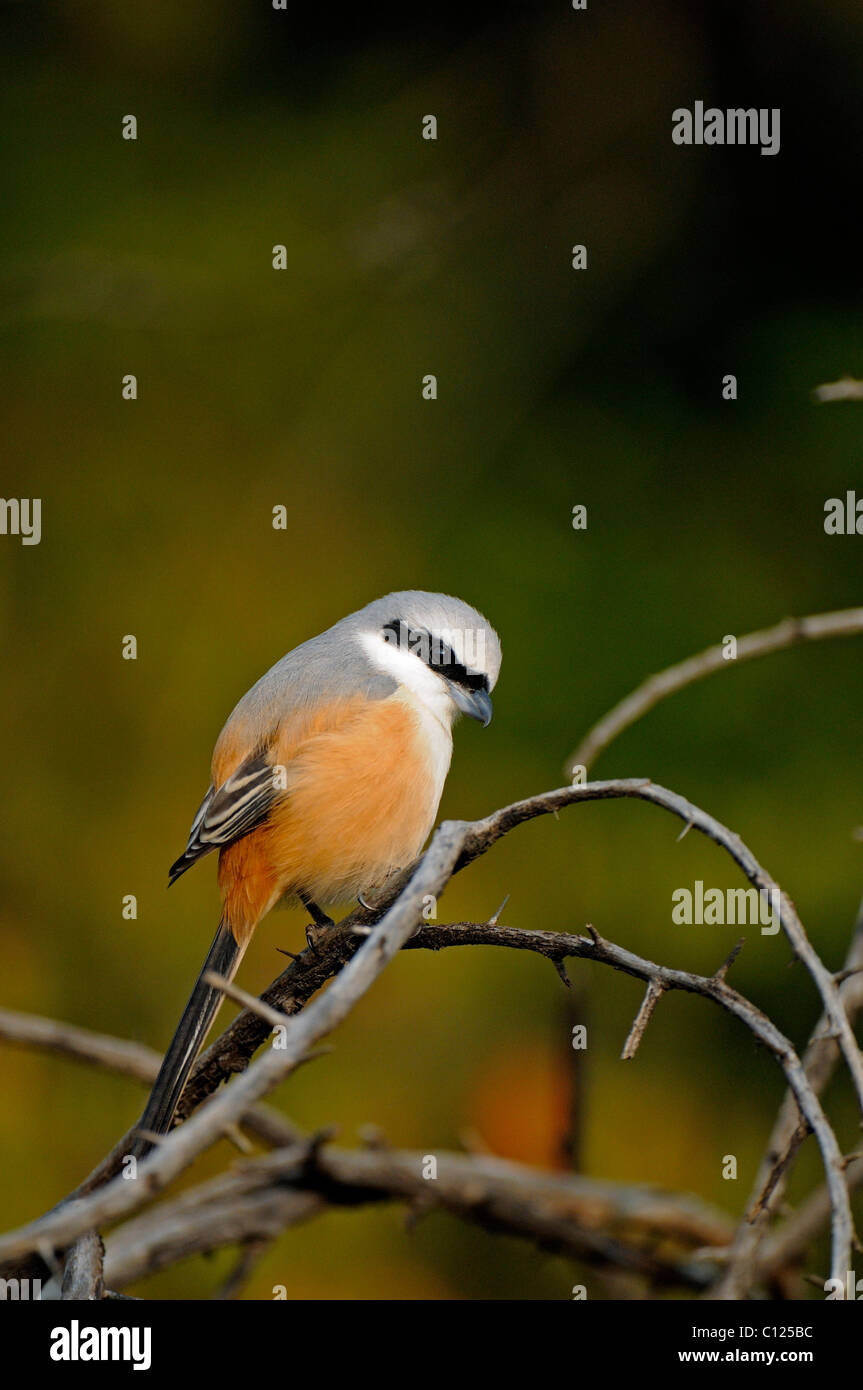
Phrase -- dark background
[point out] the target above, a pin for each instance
(302, 388)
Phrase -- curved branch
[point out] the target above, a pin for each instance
(847, 622)
(123, 1056)
(183, 1145)
(602, 1223)
(68, 1040)
(484, 833)
(206, 1218)
(786, 1137)
(557, 946)
(454, 845)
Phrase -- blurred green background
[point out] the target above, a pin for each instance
(303, 388)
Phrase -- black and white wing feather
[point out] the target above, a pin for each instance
(240, 804)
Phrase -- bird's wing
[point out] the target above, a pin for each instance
(300, 695)
(241, 803)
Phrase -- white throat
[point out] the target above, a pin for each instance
(411, 673)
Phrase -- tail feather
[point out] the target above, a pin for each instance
(223, 958)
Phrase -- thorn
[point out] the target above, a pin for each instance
(372, 1137)
(560, 967)
(685, 831)
(360, 930)
(415, 1211)
(844, 975)
(321, 1137)
(729, 960)
(594, 934)
(815, 1281)
(652, 996)
(493, 921)
(282, 952)
(235, 1135)
(472, 1142)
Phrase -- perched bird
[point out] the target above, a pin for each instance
(327, 778)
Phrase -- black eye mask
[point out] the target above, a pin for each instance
(435, 653)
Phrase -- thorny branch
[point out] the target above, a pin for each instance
(349, 958)
(208, 1217)
(787, 1135)
(847, 622)
(602, 1224)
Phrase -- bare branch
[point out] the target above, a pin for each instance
(846, 622)
(653, 994)
(274, 1017)
(359, 963)
(788, 1245)
(788, 1134)
(250, 1255)
(604, 1224)
(66, 1039)
(845, 389)
(556, 945)
(126, 1058)
(179, 1149)
(484, 833)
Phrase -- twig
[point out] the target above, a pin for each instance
(123, 1056)
(243, 1270)
(484, 833)
(714, 987)
(455, 845)
(249, 1001)
(846, 622)
(66, 1039)
(845, 389)
(652, 996)
(788, 1133)
(604, 1224)
(82, 1272)
(788, 1245)
(119, 1198)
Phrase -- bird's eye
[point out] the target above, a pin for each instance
(435, 652)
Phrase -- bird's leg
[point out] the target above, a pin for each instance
(320, 920)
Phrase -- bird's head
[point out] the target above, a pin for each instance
(442, 650)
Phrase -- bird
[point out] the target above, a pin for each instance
(326, 779)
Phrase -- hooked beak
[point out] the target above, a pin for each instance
(476, 703)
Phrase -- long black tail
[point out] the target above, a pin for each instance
(223, 958)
